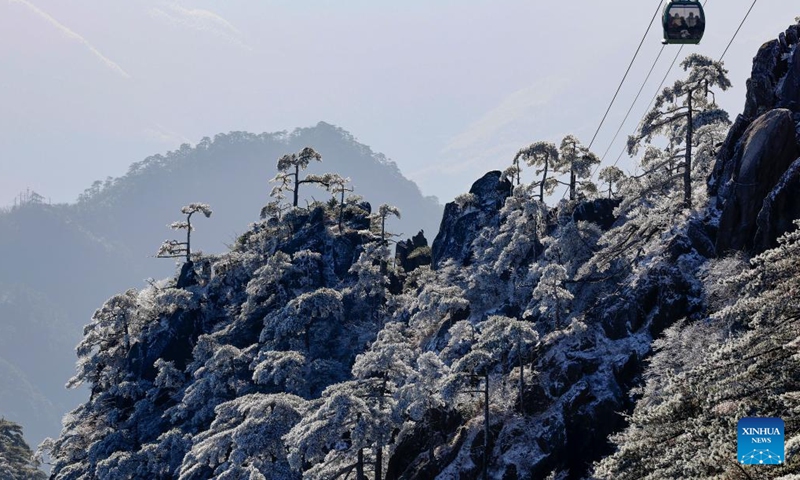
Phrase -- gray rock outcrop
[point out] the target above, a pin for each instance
(413, 253)
(752, 180)
(762, 156)
(460, 223)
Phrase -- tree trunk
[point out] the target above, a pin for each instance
(189, 236)
(521, 373)
(572, 181)
(378, 462)
(687, 167)
(384, 264)
(486, 428)
(558, 314)
(341, 211)
(296, 183)
(360, 465)
(544, 179)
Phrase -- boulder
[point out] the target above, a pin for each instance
(764, 153)
(460, 223)
(761, 84)
(188, 276)
(413, 253)
(788, 91)
(780, 209)
(774, 83)
(718, 182)
(599, 211)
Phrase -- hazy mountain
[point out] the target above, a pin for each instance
(231, 173)
(59, 262)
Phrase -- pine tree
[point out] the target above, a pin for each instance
(504, 253)
(245, 440)
(576, 160)
(174, 248)
(288, 177)
(612, 176)
(379, 221)
(678, 112)
(544, 155)
(550, 297)
(16, 458)
(348, 419)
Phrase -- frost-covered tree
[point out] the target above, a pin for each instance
(330, 441)
(370, 291)
(611, 176)
(492, 344)
(471, 374)
(386, 365)
(504, 253)
(174, 248)
(572, 244)
(307, 321)
(103, 353)
(221, 373)
(268, 286)
(245, 440)
(379, 220)
(274, 209)
(422, 390)
(16, 458)
(545, 156)
(708, 139)
(550, 297)
(680, 110)
(577, 160)
(288, 371)
(301, 344)
(338, 185)
(390, 358)
(505, 338)
(288, 177)
(706, 375)
(371, 281)
(434, 302)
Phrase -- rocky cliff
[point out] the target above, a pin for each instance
(757, 166)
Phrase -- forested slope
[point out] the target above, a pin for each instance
(306, 351)
(61, 261)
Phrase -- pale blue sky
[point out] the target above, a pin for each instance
(448, 89)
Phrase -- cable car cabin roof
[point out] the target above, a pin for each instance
(684, 22)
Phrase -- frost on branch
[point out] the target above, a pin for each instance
(175, 248)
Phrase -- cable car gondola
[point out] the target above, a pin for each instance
(684, 22)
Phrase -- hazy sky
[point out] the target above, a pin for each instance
(447, 88)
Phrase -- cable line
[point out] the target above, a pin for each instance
(658, 9)
(632, 104)
(737, 30)
(652, 100)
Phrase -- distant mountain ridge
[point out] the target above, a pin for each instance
(61, 261)
(246, 161)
